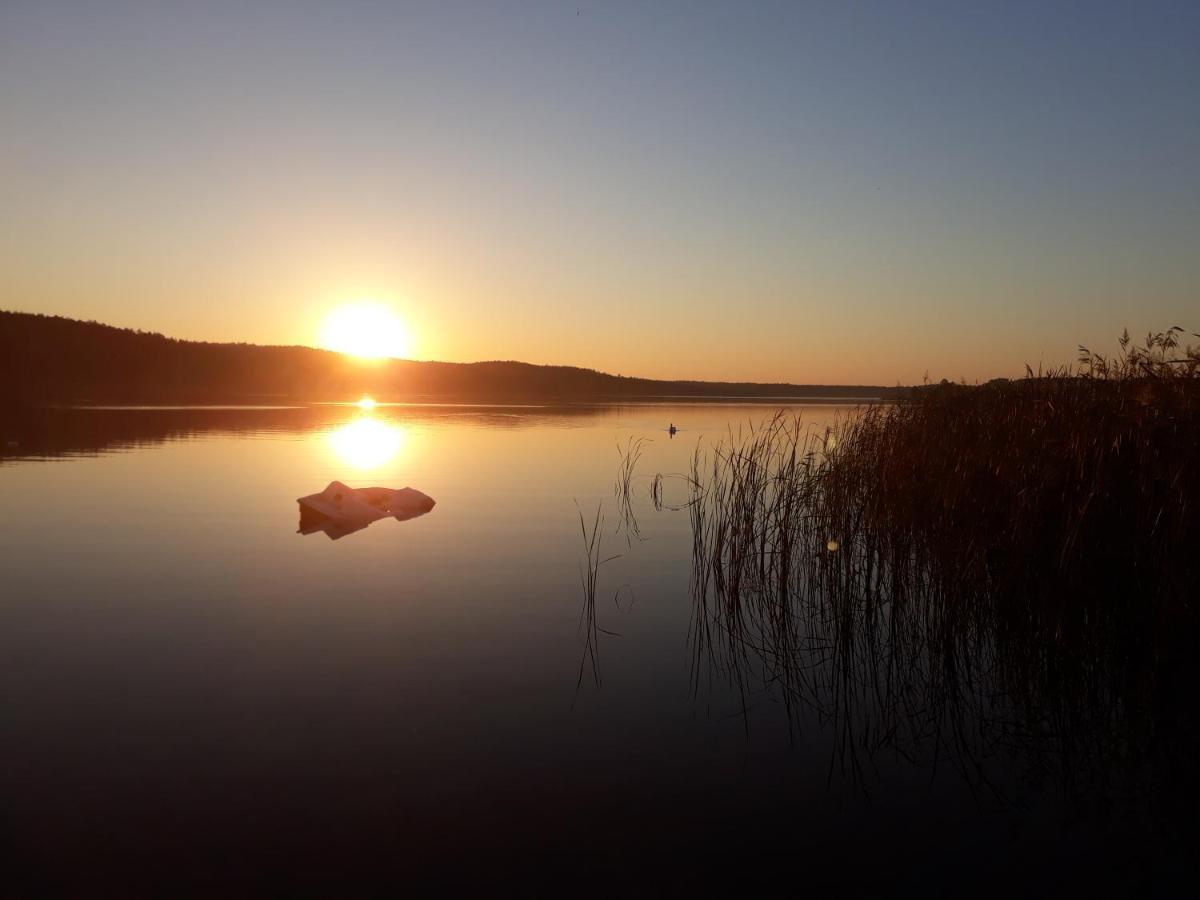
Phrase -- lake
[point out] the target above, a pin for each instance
(199, 699)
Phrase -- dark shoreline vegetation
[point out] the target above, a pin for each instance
(996, 579)
(50, 359)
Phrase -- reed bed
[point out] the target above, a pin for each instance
(977, 571)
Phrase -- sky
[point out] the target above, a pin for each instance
(808, 192)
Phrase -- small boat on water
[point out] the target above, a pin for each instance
(340, 510)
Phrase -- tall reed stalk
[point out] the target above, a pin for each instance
(589, 577)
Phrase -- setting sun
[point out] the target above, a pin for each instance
(366, 330)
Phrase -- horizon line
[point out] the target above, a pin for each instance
(367, 361)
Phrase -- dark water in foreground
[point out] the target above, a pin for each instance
(196, 699)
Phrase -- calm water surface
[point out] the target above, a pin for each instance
(193, 692)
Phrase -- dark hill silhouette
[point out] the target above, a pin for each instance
(51, 359)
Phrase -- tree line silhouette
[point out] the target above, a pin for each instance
(52, 359)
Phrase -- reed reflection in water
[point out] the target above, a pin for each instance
(918, 633)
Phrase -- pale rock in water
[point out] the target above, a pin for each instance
(340, 510)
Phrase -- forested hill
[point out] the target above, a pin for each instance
(50, 359)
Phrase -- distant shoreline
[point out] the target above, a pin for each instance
(467, 404)
(51, 360)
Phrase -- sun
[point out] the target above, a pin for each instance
(366, 330)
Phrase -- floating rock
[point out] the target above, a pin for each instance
(340, 510)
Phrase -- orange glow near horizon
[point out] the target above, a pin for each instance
(368, 331)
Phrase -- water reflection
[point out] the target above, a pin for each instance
(208, 681)
(367, 443)
(64, 433)
(1014, 674)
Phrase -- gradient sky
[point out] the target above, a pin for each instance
(809, 192)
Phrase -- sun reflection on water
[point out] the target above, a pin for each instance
(367, 443)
